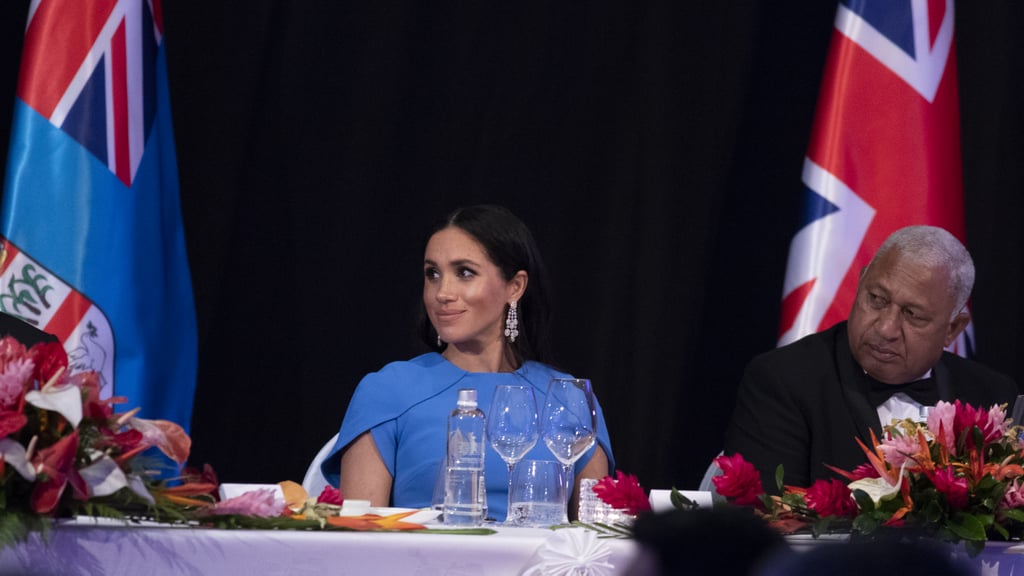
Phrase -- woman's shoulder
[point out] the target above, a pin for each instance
(540, 373)
(426, 367)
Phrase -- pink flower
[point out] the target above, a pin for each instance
(252, 503)
(1014, 496)
(830, 498)
(997, 415)
(865, 470)
(623, 493)
(898, 449)
(10, 349)
(330, 495)
(740, 483)
(12, 382)
(940, 423)
(954, 488)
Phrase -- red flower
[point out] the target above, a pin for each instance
(92, 406)
(954, 488)
(968, 416)
(740, 481)
(123, 441)
(330, 495)
(49, 359)
(193, 475)
(623, 493)
(11, 422)
(830, 498)
(56, 466)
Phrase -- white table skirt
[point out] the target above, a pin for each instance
(84, 549)
(156, 550)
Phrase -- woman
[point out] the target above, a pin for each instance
(482, 277)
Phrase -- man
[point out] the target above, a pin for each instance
(804, 404)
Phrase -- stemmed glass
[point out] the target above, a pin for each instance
(1018, 411)
(568, 422)
(512, 427)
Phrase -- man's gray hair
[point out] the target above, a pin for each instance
(935, 248)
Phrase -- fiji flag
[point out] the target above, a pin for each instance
(91, 220)
(884, 152)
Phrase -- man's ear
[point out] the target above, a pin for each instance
(956, 326)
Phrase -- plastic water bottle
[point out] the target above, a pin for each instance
(464, 495)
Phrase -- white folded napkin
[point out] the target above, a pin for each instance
(571, 552)
(661, 500)
(232, 490)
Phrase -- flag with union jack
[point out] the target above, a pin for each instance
(884, 153)
(91, 218)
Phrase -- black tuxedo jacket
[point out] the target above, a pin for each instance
(23, 331)
(803, 405)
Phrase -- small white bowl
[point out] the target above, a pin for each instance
(354, 508)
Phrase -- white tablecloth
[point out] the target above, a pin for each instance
(156, 550)
(83, 549)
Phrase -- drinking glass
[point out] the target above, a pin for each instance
(512, 427)
(1018, 411)
(568, 423)
(537, 497)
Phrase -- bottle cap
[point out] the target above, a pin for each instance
(467, 397)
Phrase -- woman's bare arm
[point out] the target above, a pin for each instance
(363, 473)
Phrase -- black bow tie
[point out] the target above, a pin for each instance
(925, 391)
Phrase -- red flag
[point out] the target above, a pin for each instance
(884, 152)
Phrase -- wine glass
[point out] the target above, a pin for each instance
(512, 427)
(1018, 411)
(568, 422)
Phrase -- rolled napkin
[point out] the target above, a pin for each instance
(569, 552)
(228, 491)
(661, 500)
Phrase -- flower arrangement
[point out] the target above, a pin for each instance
(957, 478)
(64, 451)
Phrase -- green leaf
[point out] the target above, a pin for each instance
(864, 502)
(932, 511)
(778, 477)
(967, 526)
(681, 502)
(604, 530)
(1015, 514)
(974, 547)
(866, 523)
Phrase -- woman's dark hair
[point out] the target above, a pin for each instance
(509, 244)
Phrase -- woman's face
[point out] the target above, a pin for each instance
(464, 292)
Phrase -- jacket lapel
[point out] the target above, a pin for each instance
(854, 387)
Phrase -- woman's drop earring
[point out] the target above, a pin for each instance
(512, 322)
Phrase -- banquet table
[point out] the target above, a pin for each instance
(153, 550)
(85, 548)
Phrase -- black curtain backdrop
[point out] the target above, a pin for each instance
(654, 148)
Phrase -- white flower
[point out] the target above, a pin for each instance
(65, 400)
(15, 454)
(878, 488)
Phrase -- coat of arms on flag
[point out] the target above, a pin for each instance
(34, 294)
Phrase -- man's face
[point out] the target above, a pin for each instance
(902, 318)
